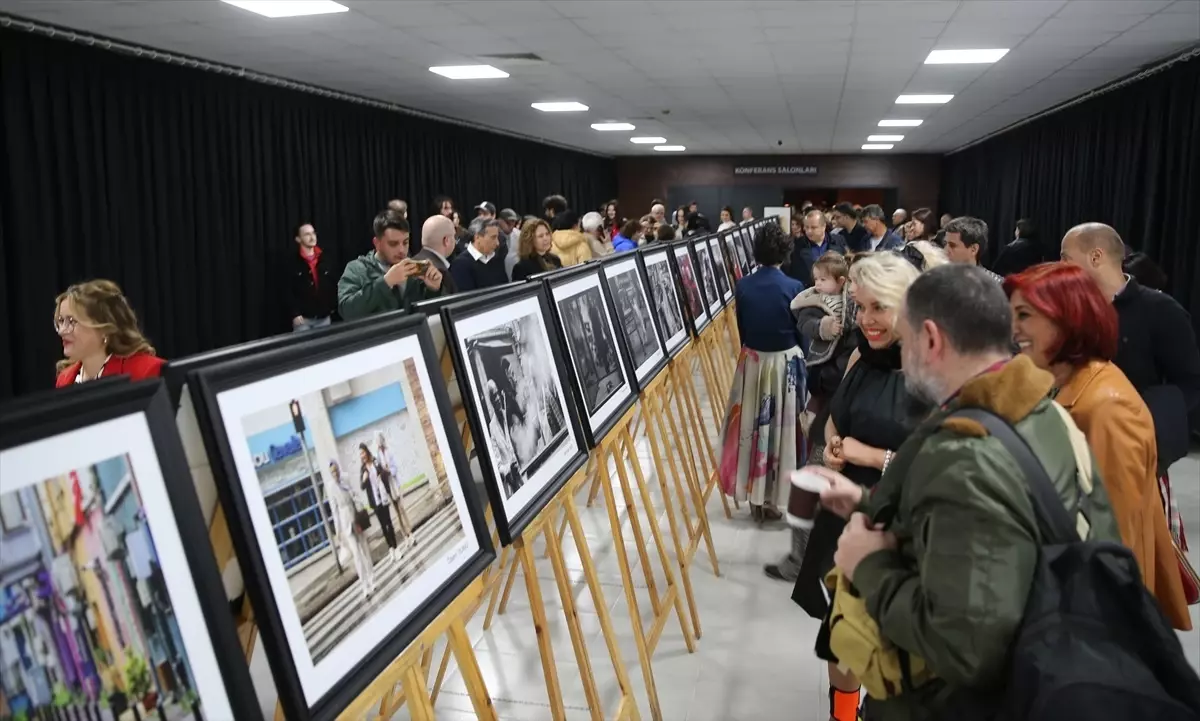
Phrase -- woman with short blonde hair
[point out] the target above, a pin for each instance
(100, 335)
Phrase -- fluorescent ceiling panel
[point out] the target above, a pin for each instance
(648, 140)
(900, 123)
(923, 99)
(289, 8)
(612, 126)
(469, 72)
(568, 106)
(884, 138)
(877, 146)
(965, 57)
(670, 148)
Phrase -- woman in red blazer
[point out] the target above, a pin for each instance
(100, 335)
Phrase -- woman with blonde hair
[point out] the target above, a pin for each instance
(533, 249)
(100, 335)
(870, 415)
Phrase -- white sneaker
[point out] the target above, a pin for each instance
(412, 540)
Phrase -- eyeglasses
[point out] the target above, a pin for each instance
(65, 324)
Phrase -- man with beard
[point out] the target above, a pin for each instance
(962, 528)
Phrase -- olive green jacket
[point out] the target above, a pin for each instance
(363, 292)
(954, 591)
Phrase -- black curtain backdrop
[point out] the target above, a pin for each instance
(1129, 158)
(184, 186)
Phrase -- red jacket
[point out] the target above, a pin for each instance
(138, 366)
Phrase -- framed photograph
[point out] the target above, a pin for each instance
(432, 310)
(110, 602)
(626, 283)
(721, 272)
(602, 374)
(512, 374)
(350, 506)
(665, 298)
(735, 256)
(693, 301)
(748, 244)
(708, 276)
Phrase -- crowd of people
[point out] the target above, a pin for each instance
(873, 340)
(863, 343)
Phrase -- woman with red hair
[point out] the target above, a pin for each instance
(1063, 322)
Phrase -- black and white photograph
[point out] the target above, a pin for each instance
(631, 304)
(720, 268)
(350, 485)
(508, 360)
(110, 604)
(735, 256)
(600, 366)
(708, 283)
(664, 296)
(748, 244)
(691, 286)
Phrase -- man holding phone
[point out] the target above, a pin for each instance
(376, 282)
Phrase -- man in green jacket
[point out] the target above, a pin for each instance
(948, 579)
(386, 279)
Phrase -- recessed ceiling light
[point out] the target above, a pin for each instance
(289, 8)
(468, 72)
(612, 126)
(923, 99)
(884, 138)
(877, 146)
(569, 106)
(648, 140)
(900, 123)
(670, 148)
(951, 57)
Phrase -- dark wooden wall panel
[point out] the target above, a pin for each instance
(916, 178)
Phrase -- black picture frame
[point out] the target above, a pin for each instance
(665, 281)
(91, 410)
(620, 398)
(702, 257)
(207, 385)
(748, 235)
(735, 256)
(720, 262)
(511, 522)
(691, 295)
(618, 265)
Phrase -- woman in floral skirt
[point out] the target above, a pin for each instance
(761, 438)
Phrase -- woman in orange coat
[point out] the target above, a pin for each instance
(100, 335)
(1064, 323)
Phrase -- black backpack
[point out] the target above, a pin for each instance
(1093, 643)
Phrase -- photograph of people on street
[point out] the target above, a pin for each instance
(514, 375)
(592, 347)
(355, 485)
(663, 296)
(87, 627)
(691, 291)
(705, 269)
(629, 299)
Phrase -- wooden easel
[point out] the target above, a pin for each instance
(688, 402)
(618, 445)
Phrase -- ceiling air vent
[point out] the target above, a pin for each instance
(513, 59)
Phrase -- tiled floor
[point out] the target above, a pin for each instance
(754, 658)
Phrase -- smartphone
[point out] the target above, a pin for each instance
(422, 264)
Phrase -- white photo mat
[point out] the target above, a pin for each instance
(562, 455)
(613, 270)
(720, 267)
(235, 406)
(704, 259)
(681, 336)
(699, 320)
(129, 435)
(616, 400)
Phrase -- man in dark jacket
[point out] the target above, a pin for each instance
(375, 282)
(967, 242)
(311, 290)
(879, 236)
(480, 266)
(438, 234)
(1158, 350)
(1025, 251)
(948, 579)
(854, 235)
(810, 245)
